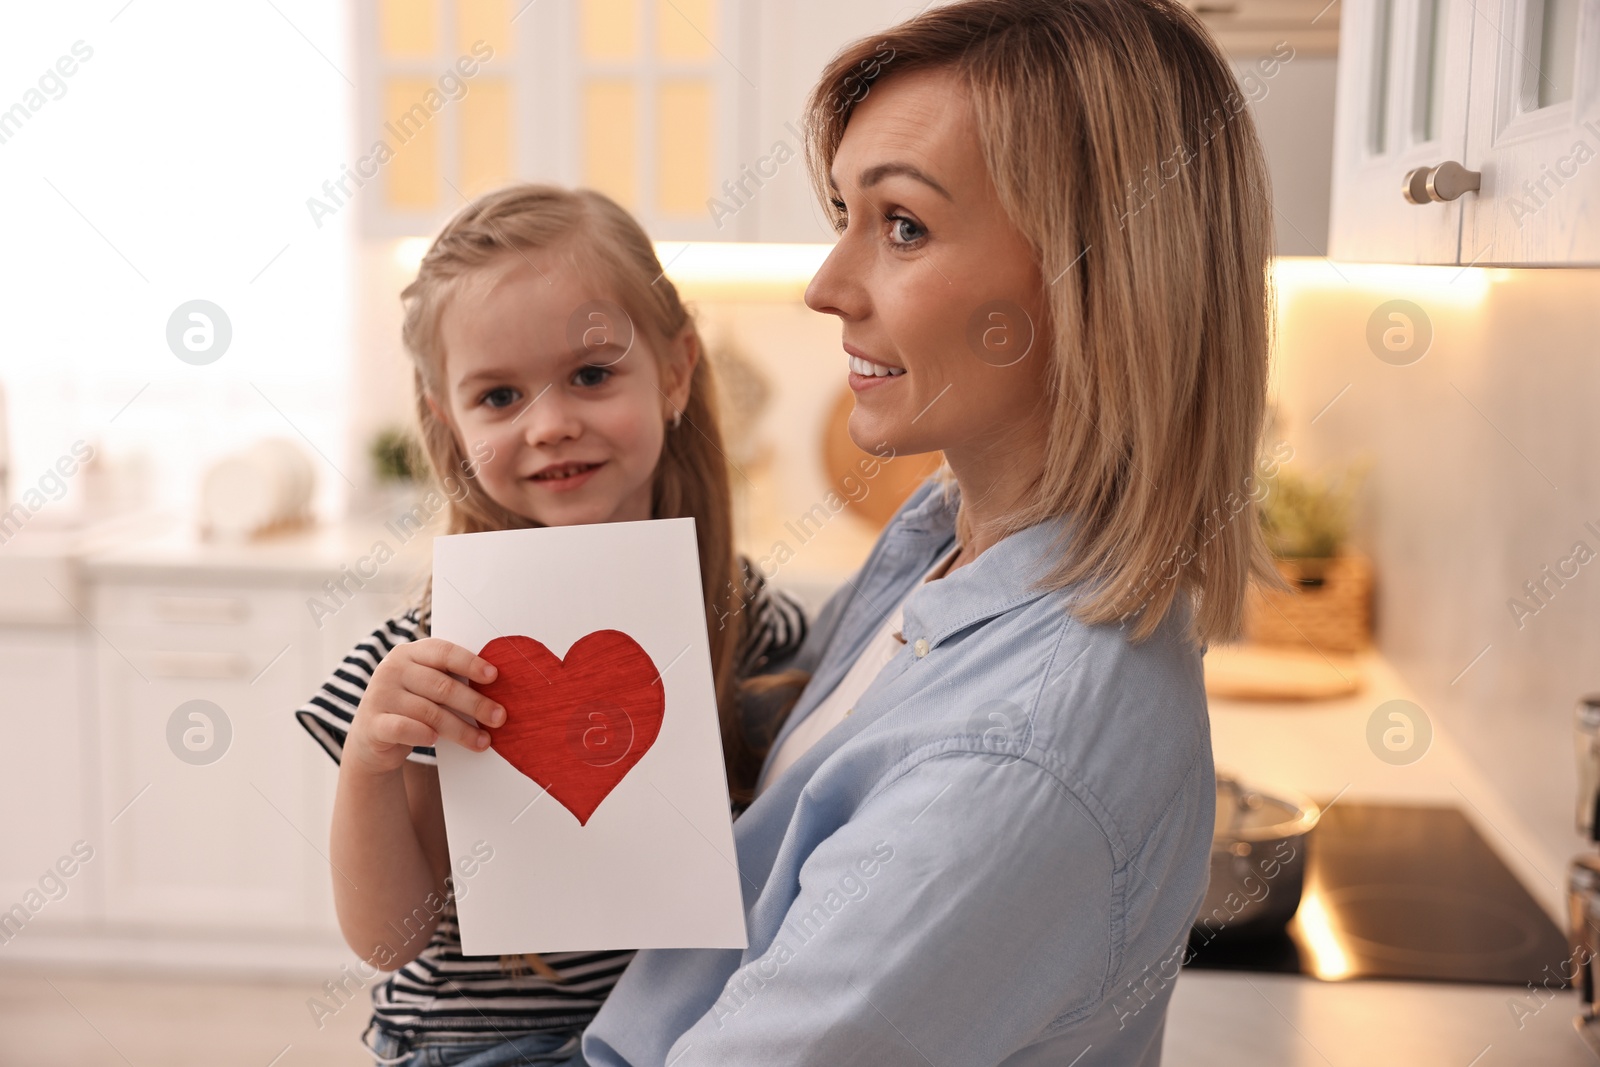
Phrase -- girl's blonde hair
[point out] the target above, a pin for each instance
(1116, 137)
(599, 238)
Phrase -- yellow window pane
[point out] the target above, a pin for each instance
(683, 147)
(485, 135)
(685, 29)
(610, 139)
(412, 132)
(408, 28)
(609, 29)
(488, 21)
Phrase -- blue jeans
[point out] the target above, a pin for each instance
(534, 1050)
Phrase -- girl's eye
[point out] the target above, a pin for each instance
(904, 231)
(841, 218)
(504, 393)
(592, 376)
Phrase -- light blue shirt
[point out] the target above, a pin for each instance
(995, 858)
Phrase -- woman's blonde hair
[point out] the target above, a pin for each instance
(1118, 142)
(600, 239)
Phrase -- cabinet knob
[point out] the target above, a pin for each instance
(199, 665)
(1415, 186)
(1450, 179)
(1447, 181)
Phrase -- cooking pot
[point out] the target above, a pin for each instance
(1258, 859)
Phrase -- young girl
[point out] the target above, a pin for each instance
(549, 348)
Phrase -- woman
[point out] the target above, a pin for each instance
(984, 832)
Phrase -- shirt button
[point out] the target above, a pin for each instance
(921, 646)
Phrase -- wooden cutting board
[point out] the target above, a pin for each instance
(1269, 672)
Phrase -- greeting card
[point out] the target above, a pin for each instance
(603, 794)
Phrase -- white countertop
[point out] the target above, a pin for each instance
(309, 553)
(47, 567)
(1231, 1019)
(1320, 748)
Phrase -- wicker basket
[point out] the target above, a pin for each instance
(1328, 608)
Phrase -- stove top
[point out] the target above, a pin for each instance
(1402, 892)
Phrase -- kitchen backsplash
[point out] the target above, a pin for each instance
(1486, 479)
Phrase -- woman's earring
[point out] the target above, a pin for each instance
(677, 419)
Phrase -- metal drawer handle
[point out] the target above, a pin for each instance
(199, 664)
(200, 609)
(1437, 185)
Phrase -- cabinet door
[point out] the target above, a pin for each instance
(1534, 134)
(195, 843)
(46, 784)
(1402, 104)
(644, 100)
(658, 92)
(437, 111)
(795, 41)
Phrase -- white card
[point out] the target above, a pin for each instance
(653, 865)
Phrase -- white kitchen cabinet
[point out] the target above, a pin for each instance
(47, 782)
(231, 845)
(219, 864)
(1534, 134)
(1402, 99)
(794, 42)
(649, 101)
(686, 112)
(239, 844)
(1464, 133)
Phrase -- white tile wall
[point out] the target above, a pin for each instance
(1488, 466)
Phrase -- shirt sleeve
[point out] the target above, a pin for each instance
(776, 625)
(328, 714)
(921, 934)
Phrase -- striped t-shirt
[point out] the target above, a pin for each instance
(445, 993)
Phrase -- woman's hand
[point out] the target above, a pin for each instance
(414, 700)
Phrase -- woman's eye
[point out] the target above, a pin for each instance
(841, 217)
(905, 231)
(592, 375)
(499, 397)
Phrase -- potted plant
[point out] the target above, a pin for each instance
(1306, 519)
(399, 468)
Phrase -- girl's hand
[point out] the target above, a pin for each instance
(413, 700)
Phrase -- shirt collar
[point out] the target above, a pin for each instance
(1005, 576)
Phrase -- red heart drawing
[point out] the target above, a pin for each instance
(575, 726)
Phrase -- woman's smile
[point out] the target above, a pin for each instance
(867, 373)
